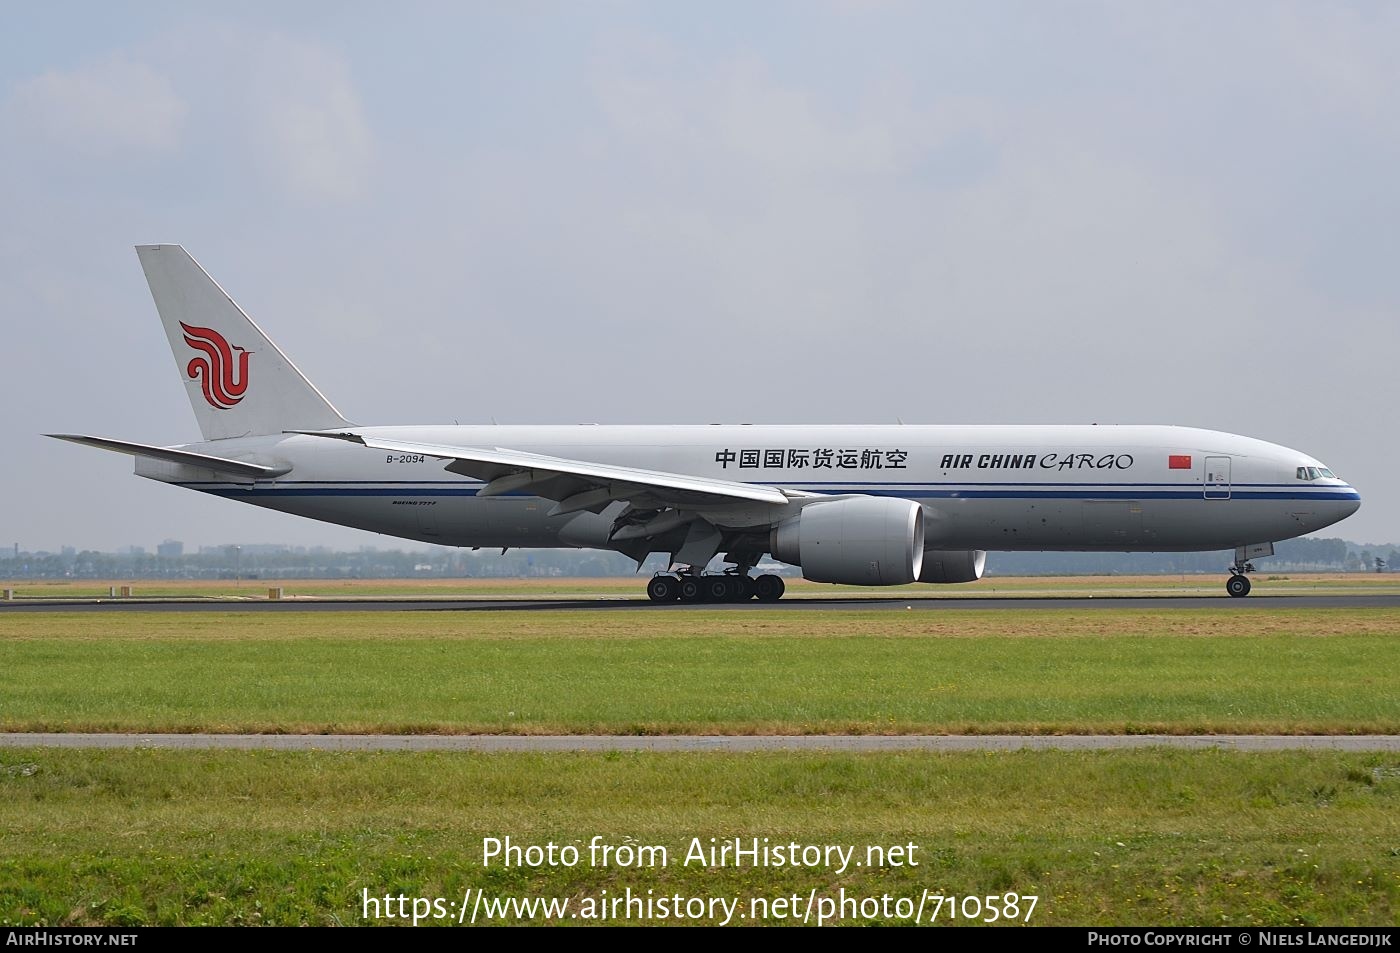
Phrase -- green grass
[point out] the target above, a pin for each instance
(1135, 837)
(876, 671)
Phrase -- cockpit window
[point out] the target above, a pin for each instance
(1315, 473)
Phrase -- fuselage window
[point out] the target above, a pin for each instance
(1313, 474)
(1302, 473)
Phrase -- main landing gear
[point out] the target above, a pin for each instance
(714, 587)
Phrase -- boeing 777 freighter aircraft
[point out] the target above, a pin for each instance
(869, 506)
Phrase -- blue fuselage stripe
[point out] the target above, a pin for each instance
(914, 491)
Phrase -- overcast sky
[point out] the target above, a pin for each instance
(1039, 212)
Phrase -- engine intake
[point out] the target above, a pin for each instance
(857, 541)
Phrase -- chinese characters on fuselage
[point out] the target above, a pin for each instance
(820, 458)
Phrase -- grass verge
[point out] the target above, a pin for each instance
(1140, 837)
(789, 672)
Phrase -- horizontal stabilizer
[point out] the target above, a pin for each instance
(255, 471)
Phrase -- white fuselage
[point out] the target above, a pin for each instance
(1111, 488)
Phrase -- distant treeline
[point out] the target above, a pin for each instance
(1297, 555)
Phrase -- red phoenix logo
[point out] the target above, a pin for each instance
(224, 385)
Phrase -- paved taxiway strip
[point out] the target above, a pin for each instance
(497, 743)
(1221, 602)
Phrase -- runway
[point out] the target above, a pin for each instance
(720, 743)
(1221, 602)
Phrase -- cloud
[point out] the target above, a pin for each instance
(232, 100)
(933, 233)
(111, 106)
(736, 114)
(307, 126)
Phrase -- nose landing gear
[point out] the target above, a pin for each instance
(1238, 583)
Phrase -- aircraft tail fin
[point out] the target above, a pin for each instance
(239, 383)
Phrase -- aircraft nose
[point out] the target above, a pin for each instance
(1342, 502)
(1350, 506)
(1332, 505)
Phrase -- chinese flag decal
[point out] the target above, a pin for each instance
(1179, 461)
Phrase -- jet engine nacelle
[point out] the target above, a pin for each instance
(859, 541)
(963, 565)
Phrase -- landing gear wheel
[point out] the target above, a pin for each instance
(769, 588)
(1238, 586)
(717, 589)
(691, 590)
(664, 589)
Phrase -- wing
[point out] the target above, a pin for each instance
(579, 484)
